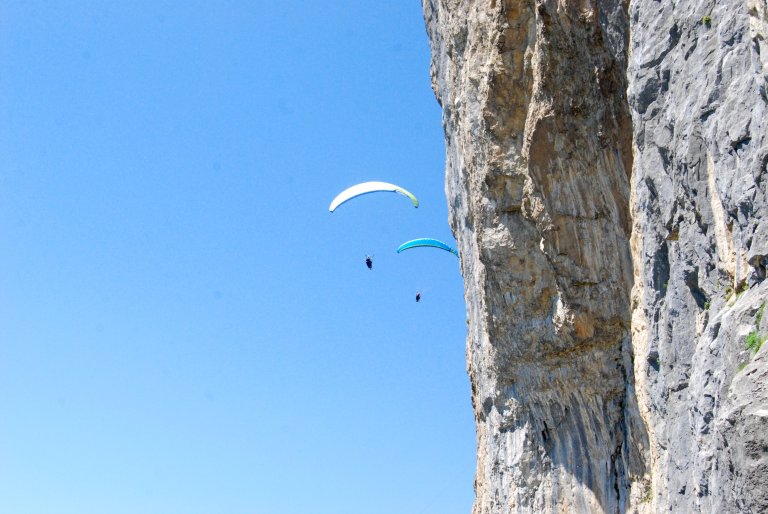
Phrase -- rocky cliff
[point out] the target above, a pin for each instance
(606, 179)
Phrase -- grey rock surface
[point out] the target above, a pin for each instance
(605, 173)
(697, 90)
(538, 136)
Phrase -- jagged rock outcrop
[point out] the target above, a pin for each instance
(605, 175)
(538, 136)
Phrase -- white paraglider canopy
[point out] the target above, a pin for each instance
(370, 187)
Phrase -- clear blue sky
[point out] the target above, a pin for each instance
(184, 328)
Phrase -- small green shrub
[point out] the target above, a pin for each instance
(706, 20)
(751, 340)
(754, 341)
(648, 493)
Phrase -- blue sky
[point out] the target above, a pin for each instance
(184, 328)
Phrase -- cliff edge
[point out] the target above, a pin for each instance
(606, 180)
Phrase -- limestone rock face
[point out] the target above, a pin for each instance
(605, 175)
(697, 90)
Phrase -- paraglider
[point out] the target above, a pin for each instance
(418, 297)
(428, 242)
(369, 261)
(370, 187)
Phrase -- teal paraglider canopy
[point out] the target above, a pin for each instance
(428, 242)
(370, 187)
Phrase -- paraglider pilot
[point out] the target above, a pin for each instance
(418, 297)
(369, 261)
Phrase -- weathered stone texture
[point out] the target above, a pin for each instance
(538, 136)
(605, 174)
(697, 90)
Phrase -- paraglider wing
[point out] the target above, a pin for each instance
(369, 187)
(426, 241)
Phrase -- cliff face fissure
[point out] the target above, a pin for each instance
(589, 196)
